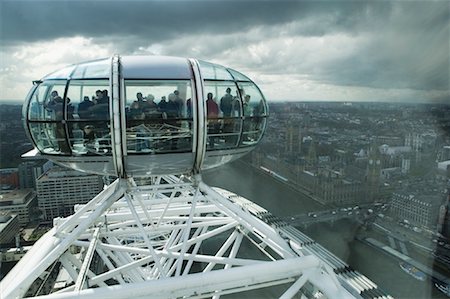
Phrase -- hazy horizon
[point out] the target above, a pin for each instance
(294, 50)
(20, 102)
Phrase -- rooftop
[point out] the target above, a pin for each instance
(16, 197)
(6, 219)
(59, 172)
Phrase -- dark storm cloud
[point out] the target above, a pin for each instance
(410, 48)
(393, 44)
(160, 20)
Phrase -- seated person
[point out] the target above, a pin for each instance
(89, 135)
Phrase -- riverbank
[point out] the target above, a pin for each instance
(340, 237)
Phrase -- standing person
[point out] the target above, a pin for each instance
(139, 97)
(84, 108)
(135, 111)
(189, 112)
(236, 106)
(172, 107)
(141, 102)
(162, 106)
(247, 109)
(212, 110)
(105, 96)
(98, 96)
(226, 103)
(189, 108)
(151, 101)
(179, 103)
(173, 121)
(151, 108)
(55, 106)
(211, 106)
(101, 112)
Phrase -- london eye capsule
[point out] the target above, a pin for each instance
(144, 115)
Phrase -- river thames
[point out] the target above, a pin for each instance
(339, 237)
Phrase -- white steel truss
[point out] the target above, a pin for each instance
(173, 238)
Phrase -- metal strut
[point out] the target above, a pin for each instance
(175, 238)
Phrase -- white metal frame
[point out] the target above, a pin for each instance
(174, 238)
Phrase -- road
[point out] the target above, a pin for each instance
(338, 237)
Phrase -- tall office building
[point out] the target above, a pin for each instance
(60, 189)
(373, 173)
(419, 209)
(293, 142)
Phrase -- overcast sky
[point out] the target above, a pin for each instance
(294, 50)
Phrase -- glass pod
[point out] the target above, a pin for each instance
(144, 115)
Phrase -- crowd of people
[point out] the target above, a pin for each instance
(146, 107)
(88, 110)
(93, 113)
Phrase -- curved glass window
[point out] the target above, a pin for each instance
(63, 73)
(254, 103)
(158, 116)
(254, 111)
(214, 72)
(224, 110)
(238, 76)
(88, 117)
(45, 117)
(50, 137)
(47, 101)
(77, 123)
(93, 69)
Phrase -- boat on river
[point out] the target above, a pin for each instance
(413, 271)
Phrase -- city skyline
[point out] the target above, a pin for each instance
(302, 51)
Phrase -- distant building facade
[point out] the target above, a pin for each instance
(9, 179)
(9, 227)
(420, 210)
(29, 171)
(293, 139)
(331, 187)
(20, 202)
(335, 188)
(420, 141)
(60, 189)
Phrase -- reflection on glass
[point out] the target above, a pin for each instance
(89, 99)
(50, 137)
(223, 133)
(89, 137)
(158, 116)
(61, 74)
(214, 72)
(253, 101)
(238, 76)
(147, 136)
(47, 101)
(223, 106)
(252, 130)
(94, 69)
(226, 95)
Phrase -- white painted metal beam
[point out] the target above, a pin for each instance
(202, 285)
